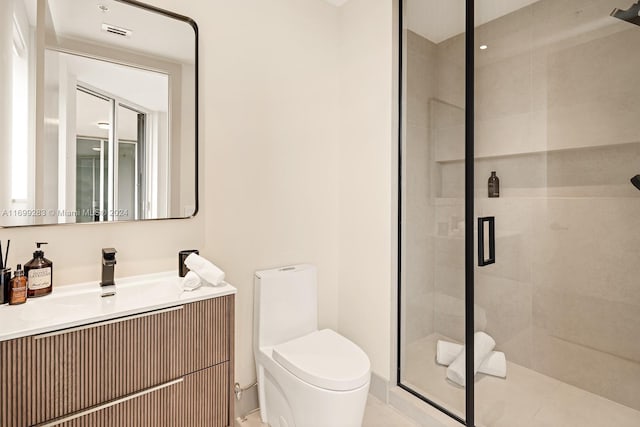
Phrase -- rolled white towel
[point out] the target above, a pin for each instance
(494, 364)
(446, 352)
(484, 344)
(207, 271)
(191, 281)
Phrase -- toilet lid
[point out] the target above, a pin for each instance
(325, 359)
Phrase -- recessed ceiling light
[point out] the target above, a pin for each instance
(104, 125)
(96, 149)
(483, 47)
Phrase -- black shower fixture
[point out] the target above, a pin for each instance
(631, 15)
(636, 181)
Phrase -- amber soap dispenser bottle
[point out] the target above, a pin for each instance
(18, 288)
(39, 272)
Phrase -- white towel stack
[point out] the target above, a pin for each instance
(201, 270)
(191, 281)
(486, 360)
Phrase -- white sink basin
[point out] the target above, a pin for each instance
(76, 305)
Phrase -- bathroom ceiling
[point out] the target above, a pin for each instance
(147, 89)
(438, 20)
(152, 33)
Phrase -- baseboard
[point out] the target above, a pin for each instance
(379, 387)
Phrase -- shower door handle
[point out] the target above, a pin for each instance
(491, 222)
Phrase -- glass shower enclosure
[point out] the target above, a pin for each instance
(540, 283)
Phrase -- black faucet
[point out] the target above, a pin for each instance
(108, 268)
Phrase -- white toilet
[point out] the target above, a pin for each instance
(306, 377)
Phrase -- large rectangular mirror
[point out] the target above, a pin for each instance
(98, 112)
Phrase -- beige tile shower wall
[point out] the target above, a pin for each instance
(418, 209)
(448, 104)
(504, 289)
(447, 121)
(589, 99)
(585, 295)
(566, 278)
(553, 77)
(557, 119)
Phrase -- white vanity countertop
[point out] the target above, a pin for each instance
(81, 304)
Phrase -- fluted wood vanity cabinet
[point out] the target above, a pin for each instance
(169, 367)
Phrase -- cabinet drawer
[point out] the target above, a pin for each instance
(15, 378)
(198, 399)
(67, 371)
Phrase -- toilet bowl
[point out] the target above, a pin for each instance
(306, 377)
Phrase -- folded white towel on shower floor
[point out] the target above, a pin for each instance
(494, 364)
(483, 346)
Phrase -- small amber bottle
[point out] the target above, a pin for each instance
(494, 185)
(18, 288)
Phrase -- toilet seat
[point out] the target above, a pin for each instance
(324, 359)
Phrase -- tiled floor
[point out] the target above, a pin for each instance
(525, 398)
(377, 414)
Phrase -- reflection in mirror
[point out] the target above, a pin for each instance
(92, 169)
(102, 113)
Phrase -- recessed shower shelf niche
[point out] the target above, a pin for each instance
(577, 172)
(633, 145)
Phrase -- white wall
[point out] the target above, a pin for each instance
(367, 179)
(299, 147)
(280, 81)
(142, 247)
(270, 143)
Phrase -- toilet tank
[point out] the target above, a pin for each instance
(285, 304)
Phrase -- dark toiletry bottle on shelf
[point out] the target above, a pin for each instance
(39, 272)
(494, 185)
(18, 289)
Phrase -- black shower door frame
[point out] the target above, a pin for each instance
(469, 201)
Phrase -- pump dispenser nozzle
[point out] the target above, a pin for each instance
(39, 252)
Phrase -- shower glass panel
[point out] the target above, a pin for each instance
(432, 270)
(557, 118)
